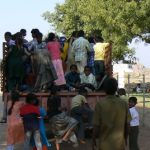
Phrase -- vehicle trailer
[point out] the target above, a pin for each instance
(66, 96)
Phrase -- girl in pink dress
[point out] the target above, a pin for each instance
(54, 48)
(15, 129)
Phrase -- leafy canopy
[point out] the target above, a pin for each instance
(116, 20)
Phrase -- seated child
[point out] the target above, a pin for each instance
(88, 80)
(31, 115)
(72, 78)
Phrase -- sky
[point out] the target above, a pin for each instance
(27, 14)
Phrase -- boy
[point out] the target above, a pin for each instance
(134, 124)
(31, 115)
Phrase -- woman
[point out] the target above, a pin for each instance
(42, 66)
(54, 49)
(15, 63)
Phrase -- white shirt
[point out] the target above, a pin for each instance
(88, 79)
(134, 116)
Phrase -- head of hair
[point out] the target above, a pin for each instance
(133, 100)
(23, 31)
(73, 65)
(51, 37)
(121, 91)
(31, 98)
(91, 40)
(110, 86)
(54, 90)
(18, 38)
(99, 39)
(82, 91)
(81, 33)
(74, 34)
(87, 67)
(14, 98)
(34, 32)
(8, 34)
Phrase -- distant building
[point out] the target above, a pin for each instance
(119, 70)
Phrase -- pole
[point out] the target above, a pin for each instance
(128, 84)
(143, 113)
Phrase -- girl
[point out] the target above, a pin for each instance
(15, 129)
(54, 49)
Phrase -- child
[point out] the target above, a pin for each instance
(45, 144)
(53, 103)
(15, 129)
(134, 125)
(31, 114)
(72, 78)
(122, 94)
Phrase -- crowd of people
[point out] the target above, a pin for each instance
(74, 64)
(39, 64)
(114, 119)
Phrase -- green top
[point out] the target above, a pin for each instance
(110, 115)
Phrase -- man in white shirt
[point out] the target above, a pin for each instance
(134, 125)
(80, 48)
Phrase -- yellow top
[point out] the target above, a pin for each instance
(65, 51)
(99, 49)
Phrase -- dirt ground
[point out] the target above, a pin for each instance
(144, 135)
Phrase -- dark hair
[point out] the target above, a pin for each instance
(17, 37)
(91, 40)
(31, 98)
(35, 31)
(110, 86)
(36, 101)
(87, 67)
(133, 99)
(8, 34)
(74, 34)
(14, 98)
(81, 33)
(121, 91)
(23, 31)
(82, 91)
(54, 90)
(73, 65)
(51, 37)
(99, 39)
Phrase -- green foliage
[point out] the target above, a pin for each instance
(118, 20)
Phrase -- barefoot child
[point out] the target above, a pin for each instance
(134, 125)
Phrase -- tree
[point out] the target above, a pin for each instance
(117, 20)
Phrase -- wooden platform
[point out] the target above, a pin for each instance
(66, 97)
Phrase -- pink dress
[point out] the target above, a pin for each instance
(15, 128)
(54, 49)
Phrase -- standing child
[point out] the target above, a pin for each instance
(134, 125)
(15, 129)
(45, 144)
(31, 115)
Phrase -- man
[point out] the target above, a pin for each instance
(111, 119)
(79, 107)
(80, 48)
